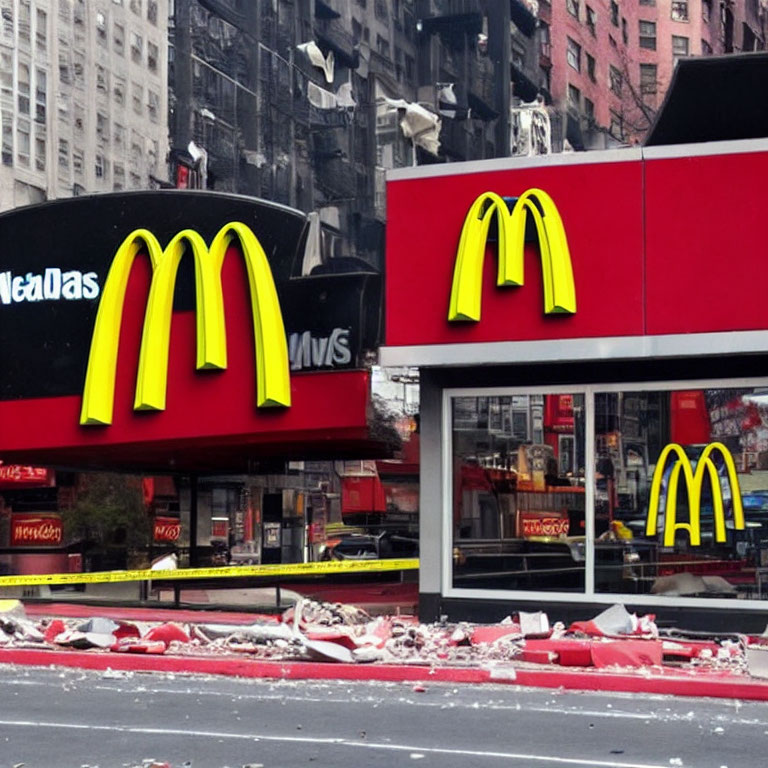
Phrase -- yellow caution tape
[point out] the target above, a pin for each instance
(289, 569)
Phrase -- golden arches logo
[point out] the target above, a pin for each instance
(694, 481)
(271, 351)
(557, 271)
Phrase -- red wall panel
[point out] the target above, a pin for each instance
(601, 208)
(706, 248)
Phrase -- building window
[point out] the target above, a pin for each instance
(7, 12)
(591, 68)
(616, 80)
(152, 55)
(510, 485)
(77, 162)
(382, 46)
(152, 11)
(679, 10)
(706, 10)
(25, 21)
(679, 45)
(706, 48)
(23, 88)
(7, 121)
(6, 78)
(614, 13)
(41, 95)
(79, 121)
(64, 154)
(591, 20)
(648, 35)
(22, 143)
(118, 90)
(65, 76)
(40, 148)
(102, 127)
(119, 135)
(624, 31)
(65, 11)
(79, 70)
(648, 79)
(137, 47)
(118, 177)
(137, 98)
(100, 166)
(153, 105)
(102, 79)
(574, 97)
(648, 2)
(118, 39)
(41, 30)
(617, 126)
(135, 6)
(573, 54)
(573, 7)
(101, 28)
(589, 110)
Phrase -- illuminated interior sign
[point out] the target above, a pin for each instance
(36, 530)
(557, 271)
(705, 466)
(271, 350)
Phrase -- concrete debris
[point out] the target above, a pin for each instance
(534, 624)
(331, 632)
(99, 626)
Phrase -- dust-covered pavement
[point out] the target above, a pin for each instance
(55, 718)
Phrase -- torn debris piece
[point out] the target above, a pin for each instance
(614, 640)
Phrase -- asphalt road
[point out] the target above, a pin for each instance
(54, 718)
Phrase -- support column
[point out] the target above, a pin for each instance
(193, 557)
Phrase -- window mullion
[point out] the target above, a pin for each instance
(589, 491)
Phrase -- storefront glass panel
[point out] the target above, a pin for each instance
(518, 492)
(674, 471)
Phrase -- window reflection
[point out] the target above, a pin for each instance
(518, 474)
(716, 446)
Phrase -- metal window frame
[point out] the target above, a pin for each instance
(589, 595)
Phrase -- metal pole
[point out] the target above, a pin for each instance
(193, 559)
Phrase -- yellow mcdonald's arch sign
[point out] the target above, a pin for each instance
(694, 481)
(272, 367)
(559, 289)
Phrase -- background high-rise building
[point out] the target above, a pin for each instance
(608, 64)
(83, 95)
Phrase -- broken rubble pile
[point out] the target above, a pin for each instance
(614, 639)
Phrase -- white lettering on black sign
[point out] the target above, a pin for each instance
(51, 285)
(308, 351)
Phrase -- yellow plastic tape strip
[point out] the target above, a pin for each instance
(289, 569)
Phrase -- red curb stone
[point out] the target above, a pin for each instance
(657, 681)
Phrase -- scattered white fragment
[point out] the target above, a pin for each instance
(416, 756)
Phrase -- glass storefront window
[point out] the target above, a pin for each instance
(681, 493)
(518, 492)
(650, 492)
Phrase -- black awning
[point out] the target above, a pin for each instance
(718, 98)
(480, 108)
(524, 87)
(522, 17)
(325, 11)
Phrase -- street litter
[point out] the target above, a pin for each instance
(334, 633)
